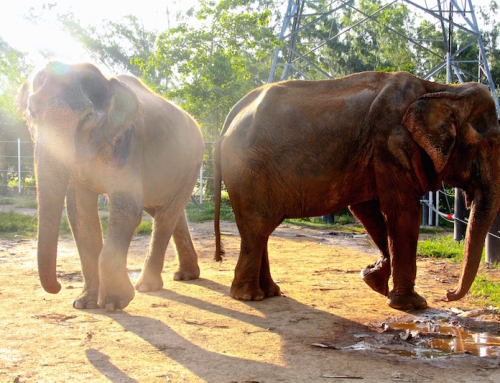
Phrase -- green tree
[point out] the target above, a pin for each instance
(117, 45)
(14, 69)
(217, 60)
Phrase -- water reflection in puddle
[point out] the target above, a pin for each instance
(429, 339)
(432, 340)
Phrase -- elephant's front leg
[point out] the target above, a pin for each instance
(403, 224)
(83, 216)
(164, 222)
(115, 290)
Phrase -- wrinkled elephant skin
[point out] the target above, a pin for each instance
(95, 135)
(375, 142)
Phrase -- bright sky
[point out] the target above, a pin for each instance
(47, 35)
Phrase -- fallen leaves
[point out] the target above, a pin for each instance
(336, 376)
(321, 345)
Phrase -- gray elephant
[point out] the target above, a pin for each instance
(95, 135)
(375, 142)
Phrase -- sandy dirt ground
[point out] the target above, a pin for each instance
(328, 326)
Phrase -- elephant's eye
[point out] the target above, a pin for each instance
(87, 121)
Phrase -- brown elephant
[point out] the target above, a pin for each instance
(375, 142)
(95, 135)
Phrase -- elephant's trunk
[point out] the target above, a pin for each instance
(483, 213)
(52, 182)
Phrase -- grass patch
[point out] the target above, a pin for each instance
(206, 212)
(26, 225)
(29, 203)
(344, 222)
(144, 228)
(485, 288)
(441, 247)
(26, 203)
(433, 230)
(447, 247)
(22, 224)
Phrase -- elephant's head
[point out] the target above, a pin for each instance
(459, 131)
(72, 112)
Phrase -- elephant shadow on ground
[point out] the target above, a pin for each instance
(101, 362)
(215, 363)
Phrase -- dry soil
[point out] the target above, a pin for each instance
(328, 326)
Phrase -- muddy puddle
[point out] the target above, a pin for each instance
(432, 337)
(434, 340)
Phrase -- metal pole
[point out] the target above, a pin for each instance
(425, 211)
(201, 184)
(19, 163)
(437, 208)
(461, 215)
(430, 209)
(493, 243)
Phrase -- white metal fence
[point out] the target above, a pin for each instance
(16, 167)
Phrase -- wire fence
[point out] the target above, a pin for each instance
(16, 168)
(16, 163)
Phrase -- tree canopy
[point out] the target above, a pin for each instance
(218, 51)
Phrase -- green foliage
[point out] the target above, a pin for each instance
(12, 222)
(117, 45)
(64, 226)
(144, 228)
(14, 70)
(26, 203)
(344, 222)
(205, 212)
(484, 287)
(218, 51)
(441, 247)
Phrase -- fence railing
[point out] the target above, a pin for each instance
(17, 174)
(16, 167)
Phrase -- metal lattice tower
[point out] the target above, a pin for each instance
(303, 43)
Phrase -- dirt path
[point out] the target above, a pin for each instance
(195, 332)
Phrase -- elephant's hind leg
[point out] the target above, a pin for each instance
(163, 227)
(376, 275)
(83, 216)
(187, 255)
(266, 282)
(246, 282)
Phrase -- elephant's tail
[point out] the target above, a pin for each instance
(219, 251)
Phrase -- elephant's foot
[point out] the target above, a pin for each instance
(377, 276)
(115, 292)
(270, 288)
(247, 291)
(187, 273)
(407, 301)
(149, 282)
(86, 300)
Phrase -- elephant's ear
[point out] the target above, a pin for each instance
(22, 106)
(122, 110)
(432, 121)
